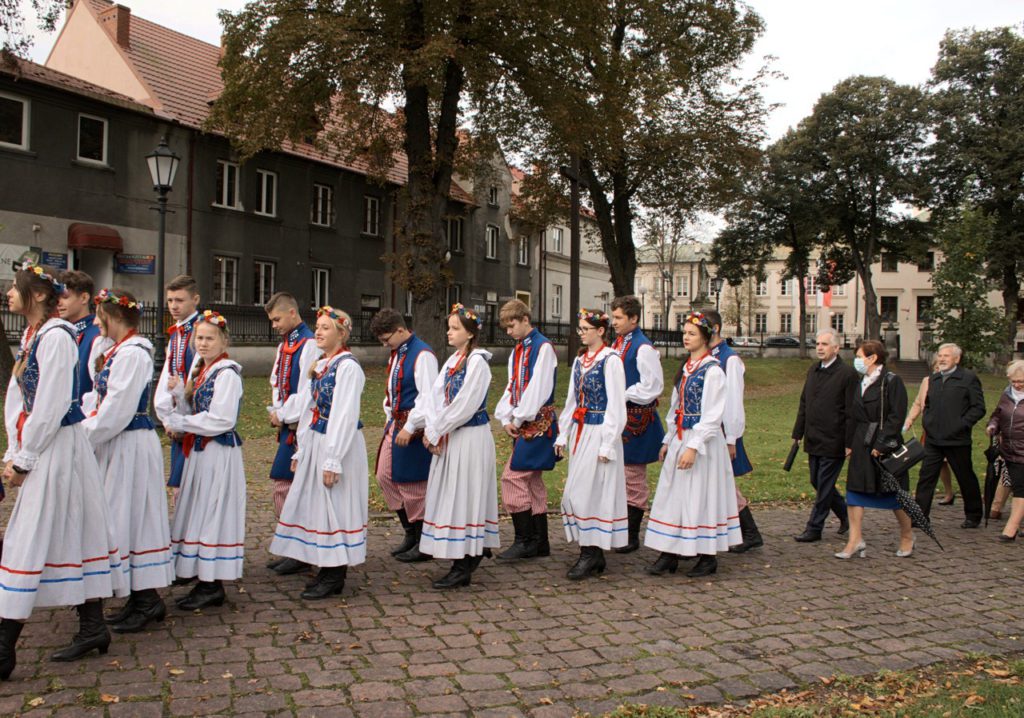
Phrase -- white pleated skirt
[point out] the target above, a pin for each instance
(325, 526)
(594, 501)
(59, 546)
(461, 515)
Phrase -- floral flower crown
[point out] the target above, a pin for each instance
(215, 318)
(108, 297)
(592, 316)
(335, 314)
(698, 319)
(31, 266)
(467, 313)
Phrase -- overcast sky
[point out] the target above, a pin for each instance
(816, 43)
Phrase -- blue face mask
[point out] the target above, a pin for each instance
(859, 365)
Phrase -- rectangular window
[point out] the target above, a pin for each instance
(408, 304)
(92, 139)
(682, 285)
(371, 216)
(227, 185)
(760, 323)
(454, 294)
(524, 252)
(267, 204)
(784, 285)
(839, 290)
(679, 322)
(762, 289)
(925, 305)
(225, 280)
(556, 240)
(889, 308)
(453, 231)
(927, 263)
(786, 323)
(811, 284)
(656, 320)
(13, 122)
(322, 214)
(812, 323)
(889, 262)
(264, 275)
(556, 300)
(491, 248)
(321, 293)
(492, 196)
(839, 322)
(369, 302)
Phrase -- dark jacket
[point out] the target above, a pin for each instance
(1008, 420)
(823, 419)
(863, 475)
(953, 407)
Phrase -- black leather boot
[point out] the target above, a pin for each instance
(410, 540)
(705, 566)
(414, 555)
(92, 633)
(751, 536)
(459, 575)
(148, 607)
(591, 561)
(290, 566)
(122, 613)
(329, 582)
(540, 532)
(206, 593)
(525, 544)
(636, 517)
(474, 561)
(666, 563)
(9, 632)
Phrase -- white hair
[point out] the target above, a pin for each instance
(831, 333)
(1014, 368)
(957, 351)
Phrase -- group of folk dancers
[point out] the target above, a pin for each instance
(91, 522)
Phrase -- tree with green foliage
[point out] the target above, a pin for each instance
(978, 154)
(12, 22)
(961, 309)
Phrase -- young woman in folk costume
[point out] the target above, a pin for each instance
(59, 549)
(208, 529)
(323, 520)
(694, 511)
(130, 459)
(461, 517)
(591, 425)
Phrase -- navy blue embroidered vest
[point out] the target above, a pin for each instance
(323, 394)
(691, 391)
(534, 449)
(179, 349)
(591, 393)
(201, 399)
(29, 381)
(141, 419)
(409, 463)
(86, 335)
(723, 353)
(453, 381)
(641, 439)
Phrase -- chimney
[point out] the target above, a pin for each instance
(116, 20)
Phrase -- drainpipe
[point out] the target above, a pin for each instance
(188, 210)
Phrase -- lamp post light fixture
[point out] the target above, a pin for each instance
(717, 284)
(163, 165)
(643, 304)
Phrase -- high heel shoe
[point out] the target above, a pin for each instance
(948, 502)
(861, 550)
(900, 553)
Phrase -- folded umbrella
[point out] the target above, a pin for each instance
(890, 484)
(792, 456)
(995, 474)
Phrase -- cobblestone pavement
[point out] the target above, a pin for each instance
(524, 641)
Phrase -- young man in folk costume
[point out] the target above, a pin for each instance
(295, 355)
(641, 441)
(403, 462)
(75, 306)
(182, 296)
(734, 423)
(527, 412)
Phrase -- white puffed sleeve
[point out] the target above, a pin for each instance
(652, 378)
(130, 372)
(565, 422)
(343, 423)
(466, 402)
(425, 374)
(503, 410)
(712, 408)
(670, 418)
(537, 392)
(615, 411)
(57, 355)
(734, 420)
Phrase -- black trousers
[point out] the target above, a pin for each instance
(824, 474)
(959, 458)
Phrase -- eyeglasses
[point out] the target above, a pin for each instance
(385, 339)
(584, 330)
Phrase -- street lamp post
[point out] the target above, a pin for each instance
(163, 165)
(643, 304)
(717, 283)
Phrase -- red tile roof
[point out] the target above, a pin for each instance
(30, 71)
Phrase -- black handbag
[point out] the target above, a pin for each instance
(905, 454)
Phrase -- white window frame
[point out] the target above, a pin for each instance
(812, 324)
(492, 195)
(760, 323)
(839, 290)
(838, 322)
(811, 285)
(260, 272)
(491, 242)
(25, 124)
(556, 300)
(680, 318)
(318, 274)
(265, 177)
(454, 294)
(371, 215)
(556, 240)
(222, 199)
(408, 304)
(784, 287)
(762, 289)
(523, 258)
(321, 213)
(656, 321)
(106, 140)
(224, 294)
(682, 285)
(453, 234)
(786, 323)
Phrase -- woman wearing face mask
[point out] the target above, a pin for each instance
(879, 411)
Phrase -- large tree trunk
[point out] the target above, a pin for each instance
(615, 223)
(802, 303)
(1011, 302)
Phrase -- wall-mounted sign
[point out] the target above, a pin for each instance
(135, 263)
(57, 260)
(11, 253)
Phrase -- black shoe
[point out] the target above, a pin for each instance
(525, 544)
(948, 502)
(844, 527)
(666, 563)
(329, 582)
(540, 532)
(411, 537)
(970, 524)
(206, 593)
(1003, 538)
(92, 633)
(751, 536)
(706, 565)
(290, 566)
(414, 555)
(636, 516)
(183, 580)
(9, 632)
(591, 561)
(474, 561)
(148, 607)
(459, 575)
(122, 613)
(808, 536)
(273, 563)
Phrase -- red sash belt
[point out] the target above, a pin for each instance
(578, 415)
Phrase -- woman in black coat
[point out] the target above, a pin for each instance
(876, 433)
